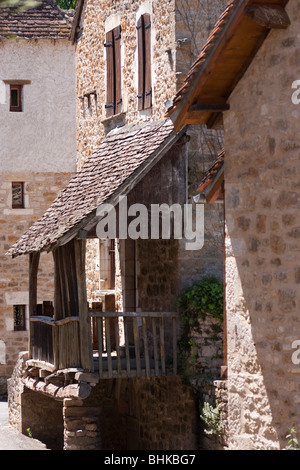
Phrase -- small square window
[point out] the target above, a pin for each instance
(17, 189)
(15, 98)
(19, 318)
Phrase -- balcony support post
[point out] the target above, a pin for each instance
(34, 259)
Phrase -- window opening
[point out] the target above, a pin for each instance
(19, 317)
(18, 195)
(15, 98)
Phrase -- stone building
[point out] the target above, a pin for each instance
(257, 101)
(38, 151)
(176, 33)
(111, 347)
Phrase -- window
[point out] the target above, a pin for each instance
(113, 72)
(17, 190)
(107, 264)
(19, 318)
(144, 62)
(15, 98)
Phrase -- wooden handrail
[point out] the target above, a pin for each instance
(52, 321)
(96, 313)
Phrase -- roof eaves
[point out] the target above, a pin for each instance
(76, 19)
(64, 233)
(211, 50)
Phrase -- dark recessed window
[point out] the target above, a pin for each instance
(15, 98)
(17, 189)
(19, 318)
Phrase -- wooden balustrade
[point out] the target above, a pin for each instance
(130, 344)
(136, 344)
(55, 343)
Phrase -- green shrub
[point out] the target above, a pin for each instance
(204, 297)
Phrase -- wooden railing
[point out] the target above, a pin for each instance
(132, 344)
(55, 343)
(126, 344)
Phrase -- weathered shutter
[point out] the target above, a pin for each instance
(141, 64)
(117, 61)
(110, 75)
(147, 60)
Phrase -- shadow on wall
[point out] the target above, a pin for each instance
(262, 298)
(42, 419)
(142, 414)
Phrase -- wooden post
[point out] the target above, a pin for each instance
(33, 270)
(58, 314)
(86, 351)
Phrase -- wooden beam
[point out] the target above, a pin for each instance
(197, 113)
(215, 120)
(58, 313)
(34, 259)
(85, 325)
(213, 105)
(269, 16)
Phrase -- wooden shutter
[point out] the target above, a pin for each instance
(147, 54)
(117, 62)
(110, 76)
(144, 62)
(141, 63)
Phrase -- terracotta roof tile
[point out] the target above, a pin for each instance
(46, 20)
(212, 172)
(120, 156)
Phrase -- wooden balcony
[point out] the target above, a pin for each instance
(124, 344)
(55, 344)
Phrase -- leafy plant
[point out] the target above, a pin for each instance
(204, 297)
(293, 443)
(213, 419)
(66, 4)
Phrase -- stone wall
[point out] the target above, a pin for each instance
(262, 245)
(36, 139)
(40, 190)
(204, 355)
(117, 414)
(38, 148)
(179, 29)
(99, 16)
(134, 414)
(213, 392)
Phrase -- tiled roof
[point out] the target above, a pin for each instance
(123, 155)
(46, 20)
(212, 172)
(199, 62)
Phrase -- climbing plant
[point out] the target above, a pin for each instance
(213, 419)
(66, 4)
(195, 303)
